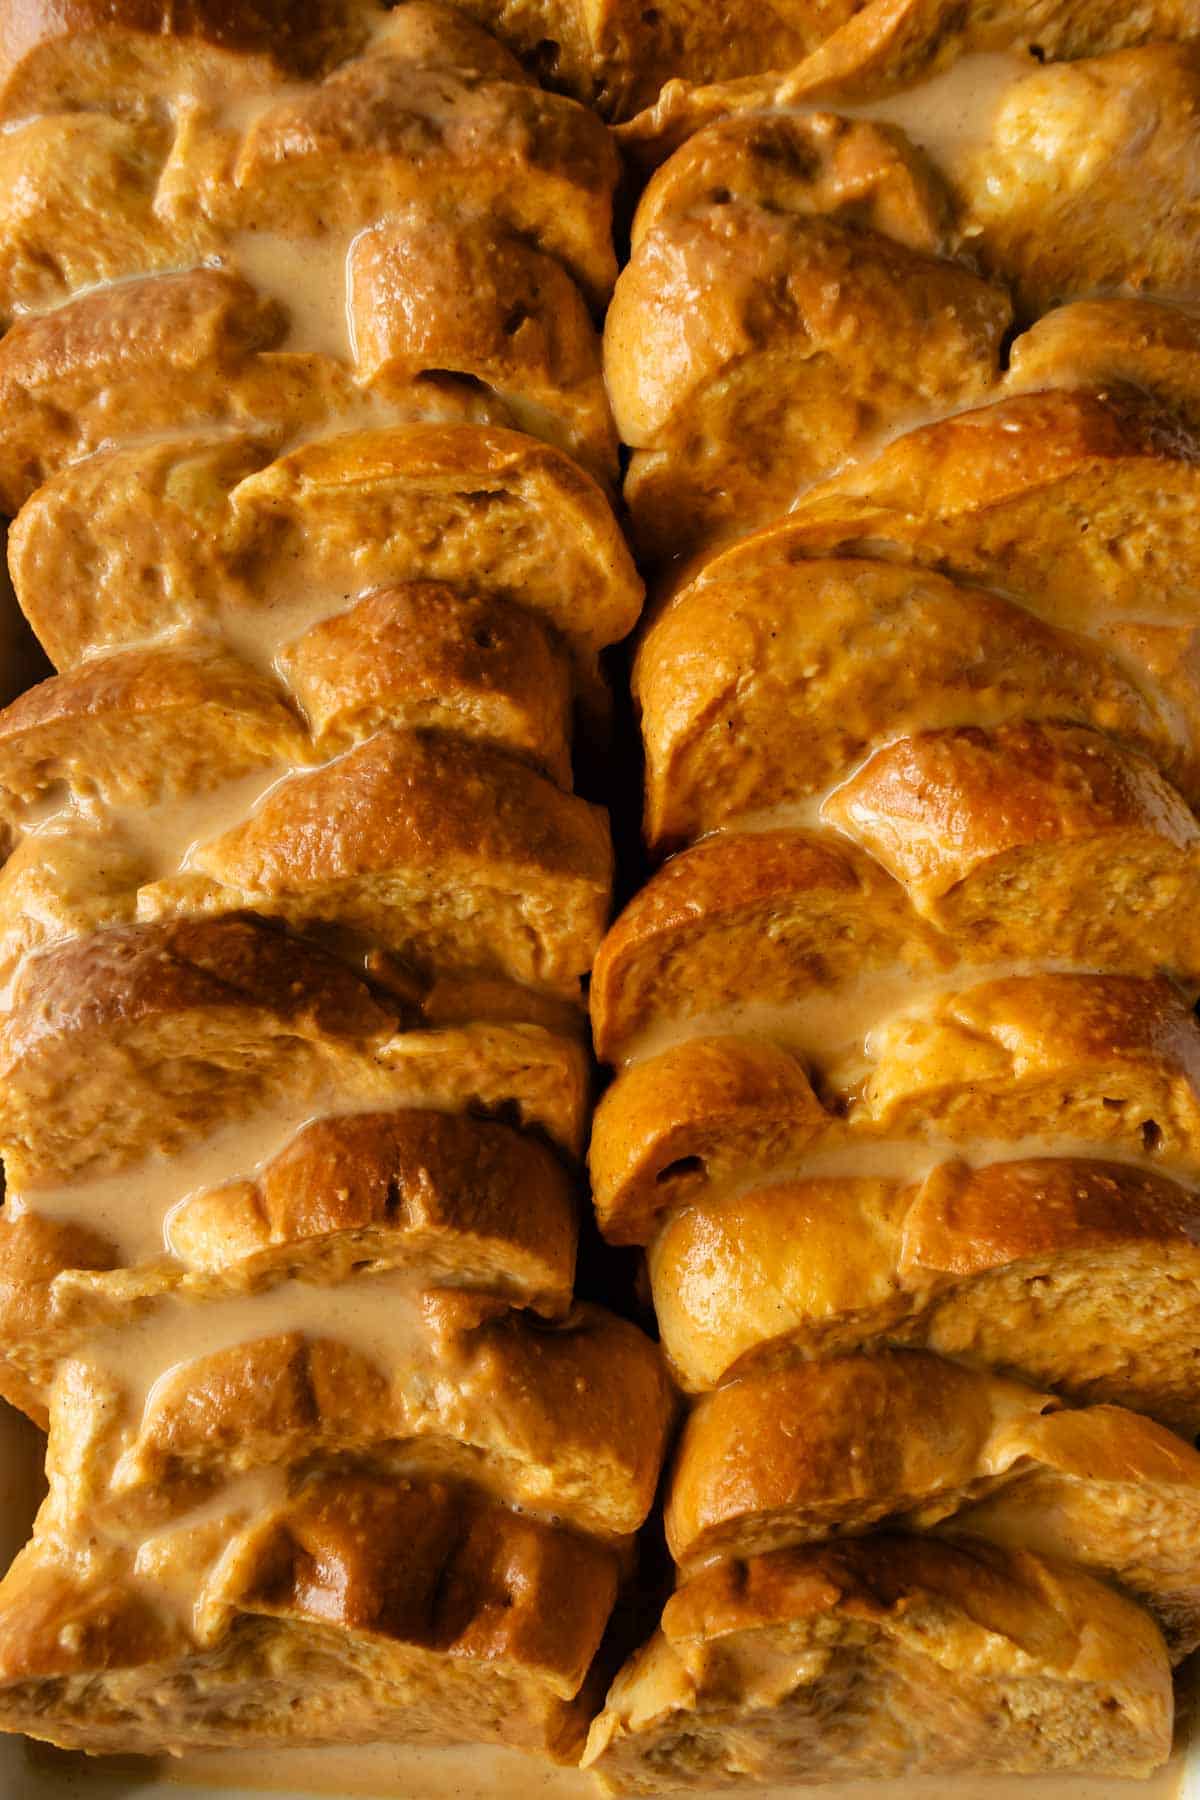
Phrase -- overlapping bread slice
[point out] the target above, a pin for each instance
(817, 1450)
(764, 683)
(431, 1617)
(1101, 1060)
(741, 367)
(886, 1656)
(1125, 126)
(1076, 1274)
(212, 534)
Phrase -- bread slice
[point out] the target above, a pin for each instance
(148, 51)
(1083, 1060)
(860, 171)
(1081, 1276)
(196, 534)
(823, 1449)
(142, 727)
(138, 1040)
(881, 47)
(427, 655)
(427, 289)
(86, 183)
(997, 835)
(453, 855)
(796, 934)
(884, 1657)
(805, 939)
(433, 1617)
(764, 387)
(1142, 344)
(765, 682)
(1001, 494)
(567, 1417)
(200, 348)
(1053, 238)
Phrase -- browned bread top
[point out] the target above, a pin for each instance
(214, 534)
(885, 1656)
(452, 1602)
(143, 1038)
(819, 1449)
(1076, 1275)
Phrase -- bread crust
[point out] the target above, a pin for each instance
(819, 1449)
(730, 1666)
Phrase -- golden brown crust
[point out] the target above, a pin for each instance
(1079, 1276)
(422, 654)
(885, 1656)
(818, 1449)
(738, 379)
(145, 541)
(866, 174)
(853, 652)
(148, 1036)
(431, 290)
(567, 1417)
(764, 918)
(448, 1602)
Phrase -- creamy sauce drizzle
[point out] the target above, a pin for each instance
(952, 113)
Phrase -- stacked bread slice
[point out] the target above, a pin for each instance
(907, 1104)
(306, 438)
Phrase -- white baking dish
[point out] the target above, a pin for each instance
(27, 1772)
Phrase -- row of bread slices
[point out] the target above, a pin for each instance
(297, 901)
(615, 54)
(908, 1104)
(336, 1412)
(413, 237)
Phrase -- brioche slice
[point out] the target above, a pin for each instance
(135, 1041)
(73, 379)
(1084, 1059)
(382, 130)
(997, 835)
(451, 292)
(77, 194)
(761, 687)
(796, 933)
(1079, 1276)
(891, 44)
(1085, 171)
(565, 1417)
(424, 655)
(883, 1657)
(142, 727)
(1003, 494)
(1143, 344)
(201, 533)
(432, 1617)
(997, 851)
(736, 376)
(823, 1449)
(451, 854)
(865, 173)
(462, 862)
